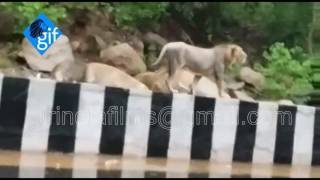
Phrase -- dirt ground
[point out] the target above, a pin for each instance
(24, 165)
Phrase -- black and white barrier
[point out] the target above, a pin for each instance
(45, 116)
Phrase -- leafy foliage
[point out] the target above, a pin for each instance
(288, 22)
(82, 5)
(25, 12)
(139, 13)
(287, 72)
(278, 20)
(249, 14)
(204, 16)
(291, 23)
(189, 9)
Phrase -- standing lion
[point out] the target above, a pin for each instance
(210, 62)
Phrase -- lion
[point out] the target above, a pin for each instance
(106, 75)
(210, 62)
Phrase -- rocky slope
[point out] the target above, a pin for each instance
(95, 51)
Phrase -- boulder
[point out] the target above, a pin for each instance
(43, 75)
(161, 86)
(252, 77)
(183, 80)
(75, 45)
(235, 85)
(109, 37)
(5, 61)
(285, 102)
(205, 87)
(124, 57)
(153, 38)
(104, 20)
(106, 75)
(241, 95)
(19, 72)
(137, 45)
(59, 52)
(153, 43)
(100, 42)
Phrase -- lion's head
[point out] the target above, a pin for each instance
(235, 55)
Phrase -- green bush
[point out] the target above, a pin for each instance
(291, 23)
(287, 72)
(188, 9)
(26, 12)
(83, 5)
(249, 14)
(140, 14)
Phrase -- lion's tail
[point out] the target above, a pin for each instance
(162, 53)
